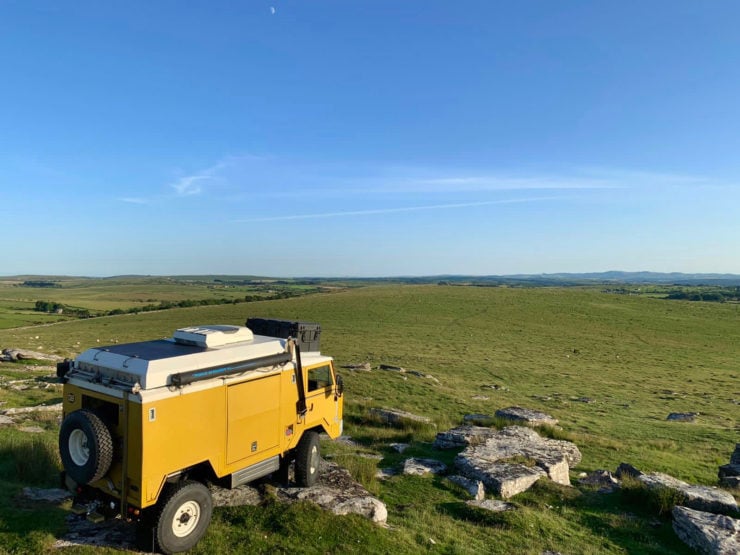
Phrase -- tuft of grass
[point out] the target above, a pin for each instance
(361, 468)
(32, 459)
(660, 500)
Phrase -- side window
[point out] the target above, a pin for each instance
(319, 378)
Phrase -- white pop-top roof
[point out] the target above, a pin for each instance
(151, 363)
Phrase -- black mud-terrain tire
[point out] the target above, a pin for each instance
(307, 460)
(183, 517)
(85, 446)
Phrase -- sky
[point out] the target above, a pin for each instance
(369, 138)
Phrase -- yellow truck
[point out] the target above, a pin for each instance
(147, 426)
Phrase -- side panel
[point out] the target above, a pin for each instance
(179, 432)
(253, 418)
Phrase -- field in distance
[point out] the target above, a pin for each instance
(609, 367)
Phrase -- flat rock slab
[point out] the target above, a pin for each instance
(707, 532)
(54, 495)
(526, 416)
(39, 408)
(396, 416)
(492, 505)
(115, 534)
(602, 479)
(5, 420)
(338, 492)
(735, 457)
(701, 498)
(474, 487)
(237, 497)
(462, 436)
(682, 416)
(495, 463)
(420, 467)
(25, 354)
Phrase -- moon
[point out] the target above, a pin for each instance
(272, 10)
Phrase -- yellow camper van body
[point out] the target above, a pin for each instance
(232, 420)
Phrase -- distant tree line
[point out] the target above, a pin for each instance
(715, 295)
(39, 283)
(52, 307)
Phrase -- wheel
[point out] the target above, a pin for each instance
(85, 446)
(307, 459)
(282, 474)
(183, 518)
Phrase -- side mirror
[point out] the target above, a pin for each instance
(340, 386)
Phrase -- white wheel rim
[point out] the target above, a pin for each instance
(314, 460)
(78, 449)
(186, 519)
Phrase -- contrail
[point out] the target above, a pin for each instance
(393, 210)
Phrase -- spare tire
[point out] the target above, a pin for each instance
(85, 446)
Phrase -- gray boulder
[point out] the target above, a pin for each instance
(419, 467)
(707, 533)
(701, 498)
(336, 491)
(396, 416)
(474, 487)
(25, 354)
(492, 505)
(511, 460)
(602, 479)
(735, 457)
(462, 436)
(526, 416)
(682, 416)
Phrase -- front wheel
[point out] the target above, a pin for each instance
(307, 460)
(184, 518)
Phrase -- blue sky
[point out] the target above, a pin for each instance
(369, 138)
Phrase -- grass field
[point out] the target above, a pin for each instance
(609, 367)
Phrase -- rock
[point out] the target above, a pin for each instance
(473, 487)
(462, 436)
(399, 447)
(526, 416)
(495, 463)
(601, 478)
(395, 416)
(54, 495)
(495, 387)
(706, 532)
(25, 354)
(505, 480)
(337, 492)
(682, 416)
(735, 457)
(40, 408)
(113, 533)
(31, 429)
(5, 420)
(392, 368)
(364, 367)
(701, 498)
(237, 497)
(730, 482)
(383, 473)
(492, 505)
(480, 398)
(419, 467)
(626, 469)
(479, 419)
(727, 470)
(587, 400)
(346, 440)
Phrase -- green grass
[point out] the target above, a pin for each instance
(636, 358)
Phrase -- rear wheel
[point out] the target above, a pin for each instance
(85, 446)
(184, 518)
(307, 460)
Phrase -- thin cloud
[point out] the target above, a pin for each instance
(135, 200)
(382, 211)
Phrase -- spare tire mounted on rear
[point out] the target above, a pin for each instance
(85, 446)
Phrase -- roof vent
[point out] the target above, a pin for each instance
(212, 336)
